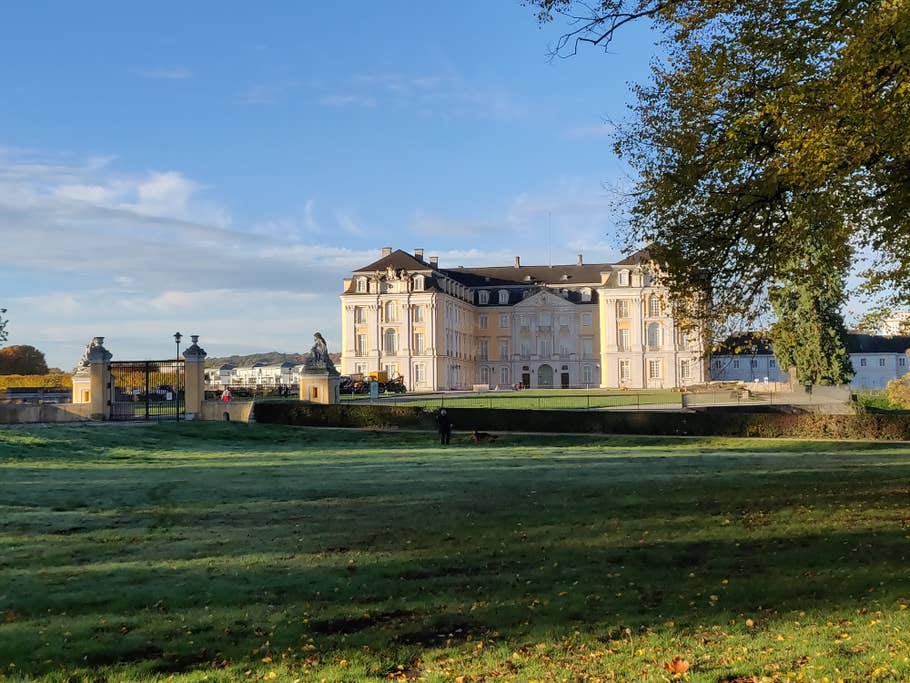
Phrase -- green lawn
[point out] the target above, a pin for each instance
(227, 552)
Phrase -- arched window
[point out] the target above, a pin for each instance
(390, 342)
(484, 374)
(483, 297)
(586, 294)
(654, 335)
(503, 296)
(391, 311)
(361, 285)
(624, 278)
(418, 283)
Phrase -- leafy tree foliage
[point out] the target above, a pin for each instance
(772, 131)
(22, 360)
(3, 321)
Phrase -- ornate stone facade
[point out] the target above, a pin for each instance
(578, 325)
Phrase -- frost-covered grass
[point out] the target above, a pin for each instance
(228, 552)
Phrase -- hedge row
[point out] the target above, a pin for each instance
(809, 426)
(36, 381)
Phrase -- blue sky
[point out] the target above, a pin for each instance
(216, 168)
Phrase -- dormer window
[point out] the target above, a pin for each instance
(503, 296)
(361, 285)
(483, 297)
(418, 283)
(624, 278)
(586, 294)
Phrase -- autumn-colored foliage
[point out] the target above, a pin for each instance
(48, 381)
(677, 666)
(22, 360)
(898, 391)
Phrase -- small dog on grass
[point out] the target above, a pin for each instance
(480, 437)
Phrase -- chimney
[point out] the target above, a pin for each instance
(580, 261)
(518, 262)
(418, 254)
(434, 261)
(386, 251)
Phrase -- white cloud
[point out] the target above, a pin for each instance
(92, 251)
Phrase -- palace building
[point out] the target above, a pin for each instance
(559, 326)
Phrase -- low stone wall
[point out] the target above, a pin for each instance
(26, 413)
(235, 411)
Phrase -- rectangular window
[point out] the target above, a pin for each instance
(622, 309)
(586, 319)
(504, 375)
(546, 348)
(483, 349)
(360, 314)
(623, 340)
(736, 364)
(753, 363)
(684, 370)
(862, 362)
(563, 348)
(484, 321)
(625, 370)
(391, 369)
(361, 348)
(418, 314)
(503, 349)
(587, 374)
(654, 306)
(503, 321)
(772, 363)
(360, 368)
(653, 369)
(881, 362)
(902, 361)
(716, 364)
(420, 377)
(525, 348)
(418, 342)
(587, 347)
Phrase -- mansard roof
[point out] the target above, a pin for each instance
(398, 259)
(757, 343)
(640, 257)
(522, 276)
(873, 343)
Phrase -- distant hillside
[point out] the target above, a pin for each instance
(269, 358)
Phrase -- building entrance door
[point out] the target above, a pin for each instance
(564, 380)
(525, 379)
(545, 377)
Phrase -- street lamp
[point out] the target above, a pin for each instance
(177, 338)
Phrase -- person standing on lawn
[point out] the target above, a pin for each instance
(444, 425)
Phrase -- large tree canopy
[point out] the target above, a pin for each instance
(772, 132)
(22, 360)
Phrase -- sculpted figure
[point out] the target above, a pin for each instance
(319, 354)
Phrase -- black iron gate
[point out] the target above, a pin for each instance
(147, 390)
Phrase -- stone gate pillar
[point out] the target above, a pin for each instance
(92, 379)
(194, 382)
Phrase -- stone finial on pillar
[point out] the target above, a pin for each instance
(194, 385)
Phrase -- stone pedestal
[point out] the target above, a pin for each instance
(320, 386)
(82, 386)
(194, 382)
